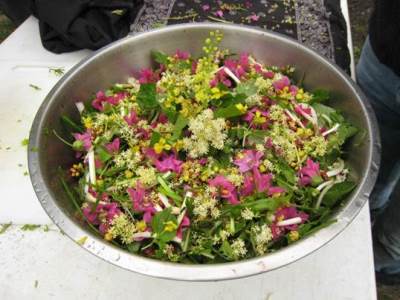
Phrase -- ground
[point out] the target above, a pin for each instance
(359, 14)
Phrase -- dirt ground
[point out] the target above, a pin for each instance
(360, 11)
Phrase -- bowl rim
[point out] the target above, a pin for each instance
(208, 272)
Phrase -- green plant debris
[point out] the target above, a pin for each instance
(57, 71)
(36, 284)
(35, 87)
(25, 142)
(30, 227)
(4, 227)
(82, 240)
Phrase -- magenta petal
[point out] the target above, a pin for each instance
(280, 84)
(248, 186)
(113, 147)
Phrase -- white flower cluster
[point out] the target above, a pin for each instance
(262, 236)
(122, 228)
(239, 248)
(147, 176)
(206, 131)
(236, 178)
(205, 205)
(247, 214)
(128, 158)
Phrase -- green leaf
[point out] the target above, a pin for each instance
(160, 57)
(247, 88)
(4, 227)
(146, 97)
(103, 154)
(227, 250)
(228, 112)
(160, 221)
(29, 227)
(337, 193)
(320, 95)
(71, 125)
(155, 137)
(180, 124)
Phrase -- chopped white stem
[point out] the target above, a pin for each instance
(90, 198)
(294, 118)
(231, 75)
(86, 186)
(164, 200)
(337, 170)
(175, 210)
(92, 166)
(324, 184)
(180, 217)
(177, 240)
(287, 222)
(158, 207)
(321, 196)
(166, 175)
(219, 69)
(80, 107)
(333, 129)
(183, 208)
(140, 235)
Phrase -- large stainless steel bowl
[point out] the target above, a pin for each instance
(125, 57)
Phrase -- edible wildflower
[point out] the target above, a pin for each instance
(122, 228)
(161, 145)
(170, 163)
(113, 147)
(83, 141)
(239, 248)
(148, 76)
(226, 189)
(248, 159)
(132, 118)
(281, 83)
(257, 118)
(310, 174)
(138, 196)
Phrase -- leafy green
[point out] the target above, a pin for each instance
(228, 112)
(146, 97)
(227, 250)
(71, 125)
(160, 57)
(155, 137)
(320, 95)
(180, 124)
(4, 227)
(337, 193)
(29, 227)
(103, 154)
(247, 88)
(159, 224)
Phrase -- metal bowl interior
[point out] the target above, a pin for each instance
(119, 60)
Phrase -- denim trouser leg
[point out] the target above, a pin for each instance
(382, 87)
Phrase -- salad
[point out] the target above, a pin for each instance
(207, 160)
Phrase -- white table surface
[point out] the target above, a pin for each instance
(44, 265)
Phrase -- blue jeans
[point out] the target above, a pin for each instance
(382, 86)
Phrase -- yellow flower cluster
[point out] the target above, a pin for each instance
(147, 176)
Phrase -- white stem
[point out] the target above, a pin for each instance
(333, 129)
(287, 222)
(294, 118)
(164, 200)
(92, 166)
(158, 207)
(90, 198)
(80, 107)
(327, 118)
(323, 193)
(175, 210)
(337, 170)
(139, 235)
(86, 186)
(324, 184)
(230, 74)
(177, 240)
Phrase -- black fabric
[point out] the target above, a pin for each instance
(68, 25)
(384, 33)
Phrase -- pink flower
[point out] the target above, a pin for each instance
(261, 181)
(285, 213)
(101, 99)
(257, 118)
(310, 173)
(226, 189)
(137, 196)
(148, 76)
(184, 224)
(248, 159)
(102, 215)
(131, 118)
(248, 186)
(169, 163)
(182, 54)
(85, 138)
(280, 84)
(220, 77)
(205, 7)
(113, 147)
(254, 17)
(300, 110)
(219, 13)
